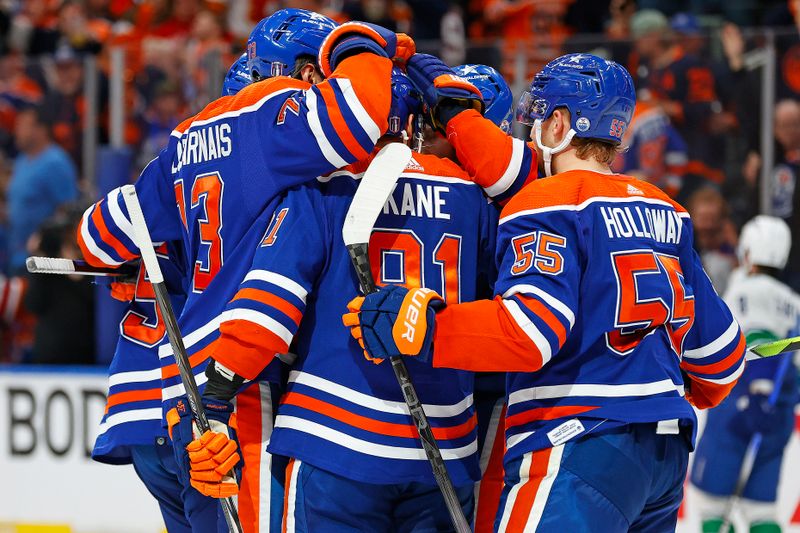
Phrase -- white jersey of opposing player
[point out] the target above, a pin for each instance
(765, 308)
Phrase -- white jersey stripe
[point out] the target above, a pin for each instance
(370, 128)
(165, 350)
(598, 390)
(371, 402)
(265, 458)
(134, 376)
(586, 203)
(512, 170)
(256, 317)
(540, 500)
(325, 146)
(173, 391)
(279, 280)
(550, 300)
(714, 346)
(91, 244)
(131, 415)
(291, 496)
(117, 215)
(530, 329)
(369, 448)
(236, 112)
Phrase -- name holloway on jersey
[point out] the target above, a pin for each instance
(661, 225)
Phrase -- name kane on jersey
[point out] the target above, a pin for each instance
(423, 201)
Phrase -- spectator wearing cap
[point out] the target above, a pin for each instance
(684, 87)
(43, 178)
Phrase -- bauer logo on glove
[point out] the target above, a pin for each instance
(394, 321)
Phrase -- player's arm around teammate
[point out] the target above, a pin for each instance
(595, 314)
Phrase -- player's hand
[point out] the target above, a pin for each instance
(444, 93)
(394, 321)
(355, 37)
(208, 462)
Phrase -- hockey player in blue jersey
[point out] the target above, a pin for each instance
(357, 464)
(767, 310)
(594, 315)
(225, 166)
(131, 431)
(490, 387)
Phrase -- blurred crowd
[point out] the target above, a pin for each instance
(696, 131)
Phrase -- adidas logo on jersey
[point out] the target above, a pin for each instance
(634, 191)
(413, 165)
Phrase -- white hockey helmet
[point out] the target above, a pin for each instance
(765, 241)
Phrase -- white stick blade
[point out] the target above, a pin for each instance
(373, 191)
(141, 234)
(49, 265)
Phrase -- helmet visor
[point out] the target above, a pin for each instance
(531, 108)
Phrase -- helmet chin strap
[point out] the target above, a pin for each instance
(548, 152)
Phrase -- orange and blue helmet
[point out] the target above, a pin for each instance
(278, 40)
(497, 95)
(599, 95)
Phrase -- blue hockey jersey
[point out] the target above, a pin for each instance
(597, 293)
(214, 186)
(342, 413)
(133, 406)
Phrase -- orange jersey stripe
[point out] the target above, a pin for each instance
(271, 300)
(338, 122)
(132, 396)
(288, 489)
(719, 366)
(246, 97)
(375, 426)
(170, 371)
(491, 488)
(88, 256)
(546, 413)
(249, 418)
(527, 493)
(106, 236)
(246, 348)
(545, 314)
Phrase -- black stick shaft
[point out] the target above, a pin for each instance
(360, 258)
(192, 392)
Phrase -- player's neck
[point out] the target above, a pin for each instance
(566, 161)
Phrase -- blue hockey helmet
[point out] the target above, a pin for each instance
(598, 94)
(278, 40)
(497, 96)
(237, 78)
(406, 101)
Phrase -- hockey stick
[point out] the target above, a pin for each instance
(752, 449)
(771, 349)
(373, 191)
(142, 237)
(59, 265)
